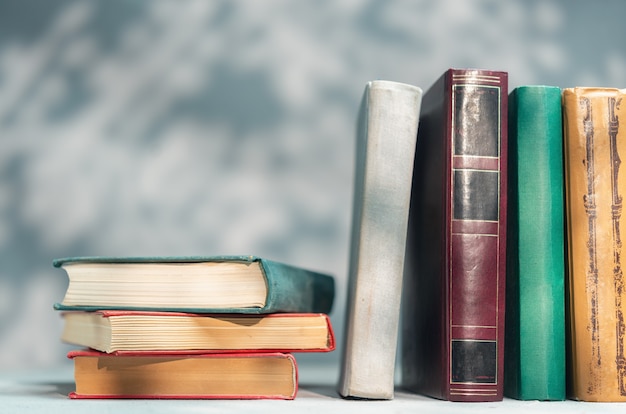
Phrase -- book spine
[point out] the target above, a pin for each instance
(535, 303)
(594, 140)
(476, 233)
(385, 152)
(453, 298)
(293, 289)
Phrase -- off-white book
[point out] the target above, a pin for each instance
(386, 140)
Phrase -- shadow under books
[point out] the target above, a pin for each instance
(329, 391)
(51, 389)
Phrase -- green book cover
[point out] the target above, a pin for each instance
(535, 304)
(287, 288)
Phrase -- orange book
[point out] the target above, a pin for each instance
(594, 143)
(174, 332)
(162, 376)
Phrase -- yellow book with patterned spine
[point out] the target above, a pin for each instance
(594, 143)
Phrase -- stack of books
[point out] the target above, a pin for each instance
(192, 327)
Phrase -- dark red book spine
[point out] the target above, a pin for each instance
(456, 278)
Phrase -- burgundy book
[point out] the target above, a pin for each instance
(453, 303)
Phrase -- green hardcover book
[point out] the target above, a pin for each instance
(535, 304)
(214, 284)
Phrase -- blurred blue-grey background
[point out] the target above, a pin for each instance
(184, 127)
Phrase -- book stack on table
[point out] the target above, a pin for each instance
(192, 327)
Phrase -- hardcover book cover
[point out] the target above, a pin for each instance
(157, 376)
(595, 142)
(453, 320)
(183, 284)
(386, 137)
(535, 299)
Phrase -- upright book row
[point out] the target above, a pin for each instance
(512, 268)
(192, 327)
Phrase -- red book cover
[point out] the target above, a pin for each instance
(453, 333)
(163, 376)
(138, 327)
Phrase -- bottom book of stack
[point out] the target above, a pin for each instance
(168, 375)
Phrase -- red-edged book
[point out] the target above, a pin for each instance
(453, 324)
(179, 333)
(194, 376)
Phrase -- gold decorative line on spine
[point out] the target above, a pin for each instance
(592, 272)
(618, 276)
(475, 78)
(475, 393)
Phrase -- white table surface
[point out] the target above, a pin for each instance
(45, 391)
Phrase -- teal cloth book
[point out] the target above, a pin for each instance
(212, 284)
(535, 298)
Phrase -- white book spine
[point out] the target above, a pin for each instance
(386, 141)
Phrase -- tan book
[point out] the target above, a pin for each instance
(158, 376)
(594, 143)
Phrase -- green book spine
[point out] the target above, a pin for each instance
(293, 289)
(535, 304)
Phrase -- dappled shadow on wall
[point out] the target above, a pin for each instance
(169, 128)
(135, 128)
